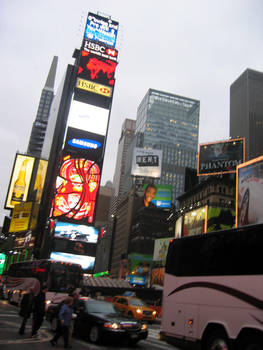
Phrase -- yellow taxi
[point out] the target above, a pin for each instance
(134, 307)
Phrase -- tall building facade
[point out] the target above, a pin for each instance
(246, 111)
(171, 123)
(40, 124)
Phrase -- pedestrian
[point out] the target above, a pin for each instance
(75, 304)
(65, 316)
(39, 306)
(26, 307)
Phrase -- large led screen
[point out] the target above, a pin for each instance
(100, 49)
(101, 29)
(74, 232)
(88, 117)
(20, 181)
(87, 262)
(220, 157)
(249, 192)
(96, 69)
(159, 196)
(76, 190)
(147, 162)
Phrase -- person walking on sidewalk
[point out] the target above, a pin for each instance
(65, 316)
(39, 310)
(26, 307)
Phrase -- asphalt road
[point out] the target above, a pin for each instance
(11, 340)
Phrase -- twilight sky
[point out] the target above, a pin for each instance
(192, 48)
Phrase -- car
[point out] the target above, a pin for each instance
(99, 319)
(134, 307)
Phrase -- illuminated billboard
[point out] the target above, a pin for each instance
(86, 262)
(76, 190)
(220, 218)
(20, 181)
(40, 179)
(147, 162)
(157, 276)
(74, 232)
(88, 117)
(100, 49)
(160, 249)
(20, 217)
(249, 192)
(94, 88)
(84, 144)
(220, 157)
(101, 29)
(96, 69)
(73, 247)
(195, 222)
(159, 196)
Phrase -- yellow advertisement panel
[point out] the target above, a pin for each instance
(40, 179)
(20, 181)
(20, 217)
(93, 87)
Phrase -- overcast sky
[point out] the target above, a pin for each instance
(192, 48)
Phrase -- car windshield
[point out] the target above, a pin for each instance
(100, 307)
(136, 302)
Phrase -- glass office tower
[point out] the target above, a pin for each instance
(170, 123)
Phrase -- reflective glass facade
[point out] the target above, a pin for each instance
(170, 123)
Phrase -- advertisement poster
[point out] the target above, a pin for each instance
(220, 157)
(157, 276)
(160, 249)
(2, 262)
(40, 179)
(75, 232)
(76, 190)
(21, 217)
(147, 162)
(195, 222)
(220, 218)
(250, 192)
(139, 266)
(101, 29)
(20, 181)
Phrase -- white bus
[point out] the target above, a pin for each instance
(213, 290)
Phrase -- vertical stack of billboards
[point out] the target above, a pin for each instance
(23, 199)
(78, 180)
(215, 158)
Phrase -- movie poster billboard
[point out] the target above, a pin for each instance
(157, 277)
(147, 162)
(220, 218)
(76, 190)
(20, 180)
(195, 222)
(161, 248)
(249, 192)
(220, 157)
(101, 29)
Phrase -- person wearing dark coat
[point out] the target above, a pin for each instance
(39, 310)
(26, 307)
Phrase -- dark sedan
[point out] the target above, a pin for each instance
(98, 319)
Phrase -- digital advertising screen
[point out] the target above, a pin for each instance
(87, 262)
(220, 218)
(76, 190)
(84, 143)
(195, 222)
(96, 69)
(20, 180)
(73, 247)
(75, 232)
(220, 157)
(147, 162)
(87, 117)
(100, 49)
(163, 196)
(101, 29)
(249, 192)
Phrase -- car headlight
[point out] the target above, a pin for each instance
(154, 313)
(112, 325)
(144, 327)
(139, 311)
(48, 302)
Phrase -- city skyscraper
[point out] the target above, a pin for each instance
(246, 111)
(40, 124)
(170, 123)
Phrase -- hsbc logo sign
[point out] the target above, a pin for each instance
(100, 50)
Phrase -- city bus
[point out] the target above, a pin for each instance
(213, 290)
(60, 277)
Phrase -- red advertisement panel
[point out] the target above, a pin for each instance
(76, 189)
